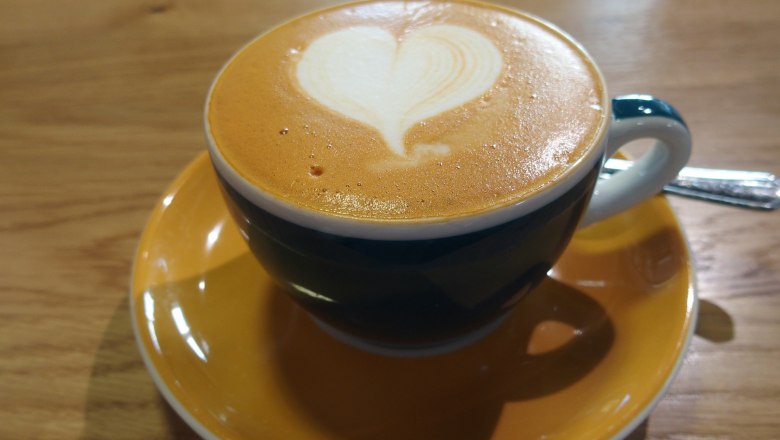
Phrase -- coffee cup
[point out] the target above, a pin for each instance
(409, 171)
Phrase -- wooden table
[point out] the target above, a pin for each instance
(100, 108)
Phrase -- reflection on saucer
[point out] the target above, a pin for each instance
(585, 355)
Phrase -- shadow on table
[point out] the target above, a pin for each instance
(640, 433)
(122, 401)
(714, 324)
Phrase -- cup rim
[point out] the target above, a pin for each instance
(413, 229)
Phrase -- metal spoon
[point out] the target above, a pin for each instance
(747, 189)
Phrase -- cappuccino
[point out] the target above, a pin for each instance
(407, 111)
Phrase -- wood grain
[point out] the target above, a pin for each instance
(100, 108)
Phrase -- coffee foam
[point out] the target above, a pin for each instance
(406, 110)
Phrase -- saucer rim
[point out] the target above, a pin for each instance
(162, 387)
(693, 298)
(149, 225)
(205, 433)
(693, 310)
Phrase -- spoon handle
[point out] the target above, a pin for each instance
(748, 189)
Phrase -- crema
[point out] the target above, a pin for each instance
(410, 111)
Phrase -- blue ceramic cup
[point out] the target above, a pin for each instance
(436, 285)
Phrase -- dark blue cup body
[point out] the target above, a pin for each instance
(412, 292)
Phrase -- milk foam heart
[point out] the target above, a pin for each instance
(390, 83)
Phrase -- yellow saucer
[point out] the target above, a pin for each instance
(586, 355)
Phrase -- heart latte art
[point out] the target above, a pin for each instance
(369, 75)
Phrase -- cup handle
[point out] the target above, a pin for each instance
(637, 117)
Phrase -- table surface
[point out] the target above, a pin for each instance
(100, 108)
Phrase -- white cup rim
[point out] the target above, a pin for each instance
(418, 229)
